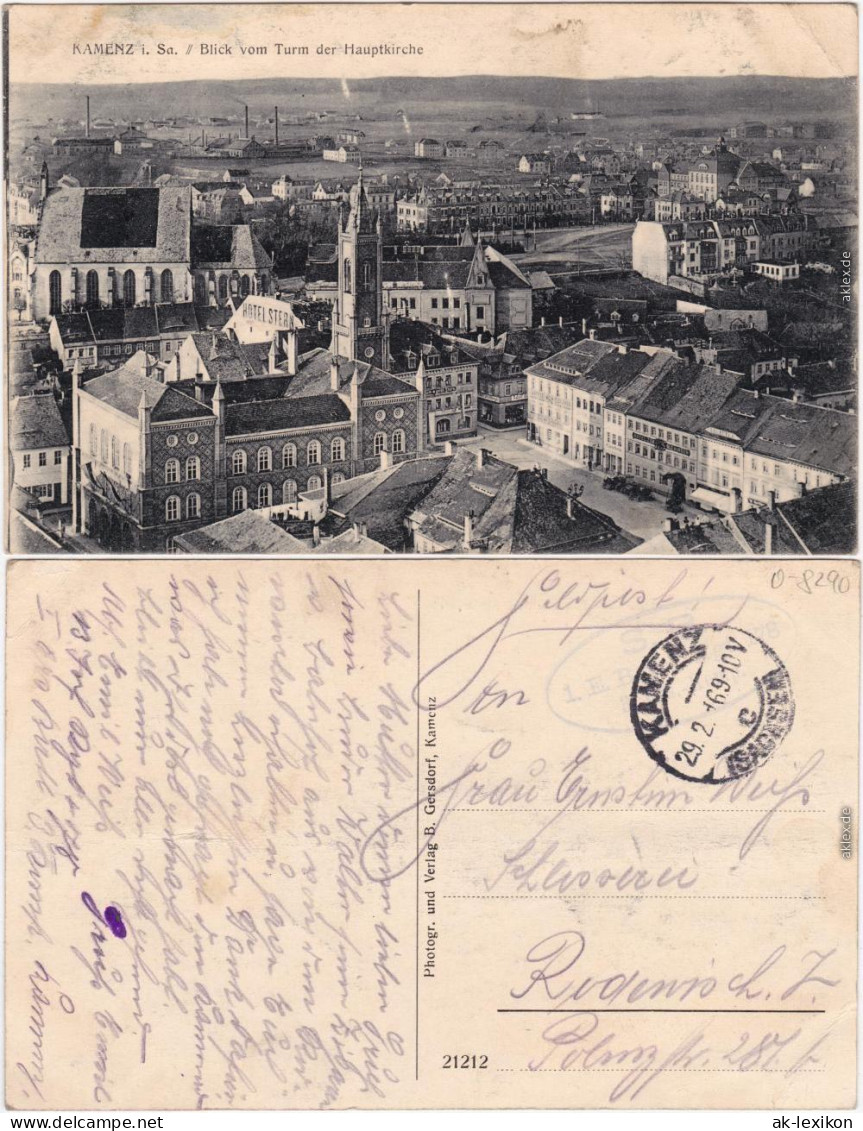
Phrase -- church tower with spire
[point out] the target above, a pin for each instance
(359, 319)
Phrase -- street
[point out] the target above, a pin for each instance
(642, 519)
(607, 246)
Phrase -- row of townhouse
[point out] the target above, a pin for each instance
(651, 416)
(706, 247)
(444, 210)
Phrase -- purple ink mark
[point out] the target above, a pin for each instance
(115, 921)
(111, 919)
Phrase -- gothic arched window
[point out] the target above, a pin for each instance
(92, 288)
(55, 293)
(347, 274)
(129, 288)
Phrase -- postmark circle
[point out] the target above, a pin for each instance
(711, 703)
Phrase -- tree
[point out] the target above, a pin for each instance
(287, 235)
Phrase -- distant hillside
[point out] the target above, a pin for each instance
(739, 96)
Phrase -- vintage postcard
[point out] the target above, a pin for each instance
(301, 834)
(433, 278)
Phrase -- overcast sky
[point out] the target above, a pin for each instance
(573, 41)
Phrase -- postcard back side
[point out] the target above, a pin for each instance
(320, 834)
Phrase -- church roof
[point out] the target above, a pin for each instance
(115, 225)
(228, 245)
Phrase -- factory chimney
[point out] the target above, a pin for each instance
(87, 128)
(277, 127)
(247, 121)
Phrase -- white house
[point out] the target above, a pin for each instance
(40, 448)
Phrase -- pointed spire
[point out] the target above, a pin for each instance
(361, 216)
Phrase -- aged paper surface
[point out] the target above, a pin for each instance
(296, 835)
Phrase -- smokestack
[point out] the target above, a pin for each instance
(277, 126)
(247, 121)
(87, 134)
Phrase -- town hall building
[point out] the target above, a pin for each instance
(153, 460)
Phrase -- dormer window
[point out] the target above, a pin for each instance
(433, 359)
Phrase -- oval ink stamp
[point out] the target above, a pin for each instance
(711, 703)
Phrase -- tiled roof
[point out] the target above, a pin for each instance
(174, 317)
(513, 511)
(382, 499)
(314, 376)
(807, 434)
(542, 525)
(246, 533)
(464, 488)
(283, 414)
(124, 387)
(224, 359)
(740, 415)
(504, 278)
(352, 542)
(704, 398)
(119, 323)
(673, 381)
(252, 388)
(228, 245)
(421, 338)
(541, 342)
(257, 355)
(379, 384)
(36, 423)
(110, 225)
(825, 519)
(592, 366)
